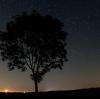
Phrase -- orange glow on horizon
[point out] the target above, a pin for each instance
(6, 90)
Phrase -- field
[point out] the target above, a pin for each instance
(83, 93)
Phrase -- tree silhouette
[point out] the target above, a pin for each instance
(34, 42)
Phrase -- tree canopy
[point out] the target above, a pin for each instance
(34, 42)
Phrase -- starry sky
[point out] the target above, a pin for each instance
(81, 20)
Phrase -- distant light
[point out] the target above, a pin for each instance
(50, 89)
(6, 90)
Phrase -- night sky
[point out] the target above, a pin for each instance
(81, 20)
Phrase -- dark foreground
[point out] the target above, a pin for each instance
(83, 93)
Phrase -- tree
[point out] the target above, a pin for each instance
(34, 42)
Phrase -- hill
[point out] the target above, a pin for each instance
(92, 92)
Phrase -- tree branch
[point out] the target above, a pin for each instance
(27, 63)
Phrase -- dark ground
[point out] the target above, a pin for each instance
(83, 93)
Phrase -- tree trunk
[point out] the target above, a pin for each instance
(36, 85)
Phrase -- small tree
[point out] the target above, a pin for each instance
(34, 42)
